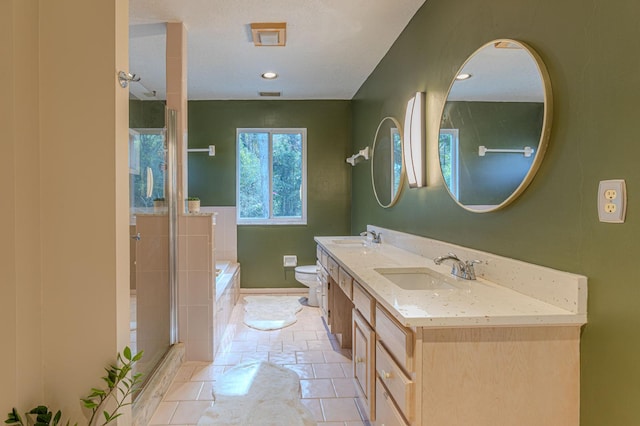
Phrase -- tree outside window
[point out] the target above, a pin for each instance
(271, 176)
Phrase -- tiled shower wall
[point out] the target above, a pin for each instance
(196, 293)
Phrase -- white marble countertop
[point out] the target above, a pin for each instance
(471, 303)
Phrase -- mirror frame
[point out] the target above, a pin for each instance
(544, 133)
(403, 172)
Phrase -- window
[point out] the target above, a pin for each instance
(448, 150)
(272, 176)
(146, 167)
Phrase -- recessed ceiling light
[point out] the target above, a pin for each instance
(463, 76)
(269, 75)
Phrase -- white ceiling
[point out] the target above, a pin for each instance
(332, 45)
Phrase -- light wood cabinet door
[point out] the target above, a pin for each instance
(364, 363)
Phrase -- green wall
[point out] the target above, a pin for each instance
(146, 114)
(213, 179)
(591, 50)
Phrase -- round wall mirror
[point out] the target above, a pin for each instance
(495, 125)
(387, 172)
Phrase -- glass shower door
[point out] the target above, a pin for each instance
(152, 197)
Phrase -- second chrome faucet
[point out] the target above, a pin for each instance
(460, 268)
(375, 236)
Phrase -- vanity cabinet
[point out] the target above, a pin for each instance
(524, 372)
(338, 297)
(363, 352)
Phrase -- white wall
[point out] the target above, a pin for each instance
(64, 210)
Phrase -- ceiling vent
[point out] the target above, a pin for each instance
(270, 94)
(269, 34)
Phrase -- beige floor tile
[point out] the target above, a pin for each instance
(270, 346)
(254, 356)
(305, 371)
(347, 367)
(304, 335)
(230, 358)
(282, 357)
(207, 372)
(345, 388)
(325, 371)
(339, 409)
(328, 371)
(206, 393)
(315, 408)
(184, 373)
(319, 345)
(183, 391)
(300, 345)
(163, 413)
(281, 336)
(317, 388)
(243, 346)
(189, 412)
(337, 356)
(310, 357)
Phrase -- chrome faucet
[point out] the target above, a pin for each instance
(375, 236)
(460, 268)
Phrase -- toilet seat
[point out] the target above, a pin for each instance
(307, 269)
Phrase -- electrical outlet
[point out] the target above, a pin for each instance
(610, 194)
(612, 201)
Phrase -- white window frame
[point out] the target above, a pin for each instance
(273, 220)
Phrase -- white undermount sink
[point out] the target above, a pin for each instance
(349, 241)
(416, 278)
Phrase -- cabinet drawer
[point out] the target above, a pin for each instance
(400, 387)
(345, 282)
(332, 267)
(396, 339)
(363, 303)
(387, 413)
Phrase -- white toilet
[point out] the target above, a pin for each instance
(308, 275)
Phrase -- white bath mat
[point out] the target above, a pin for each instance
(257, 394)
(270, 312)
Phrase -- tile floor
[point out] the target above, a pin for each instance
(305, 347)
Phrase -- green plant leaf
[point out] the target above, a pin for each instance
(97, 392)
(13, 417)
(127, 353)
(112, 418)
(89, 403)
(106, 416)
(137, 356)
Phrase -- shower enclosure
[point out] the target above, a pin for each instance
(153, 226)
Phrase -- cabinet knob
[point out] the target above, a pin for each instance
(385, 375)
(360, 360)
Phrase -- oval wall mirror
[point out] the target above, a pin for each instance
(387, 172)
(495, 125)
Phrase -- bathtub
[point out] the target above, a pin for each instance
(225, 270)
